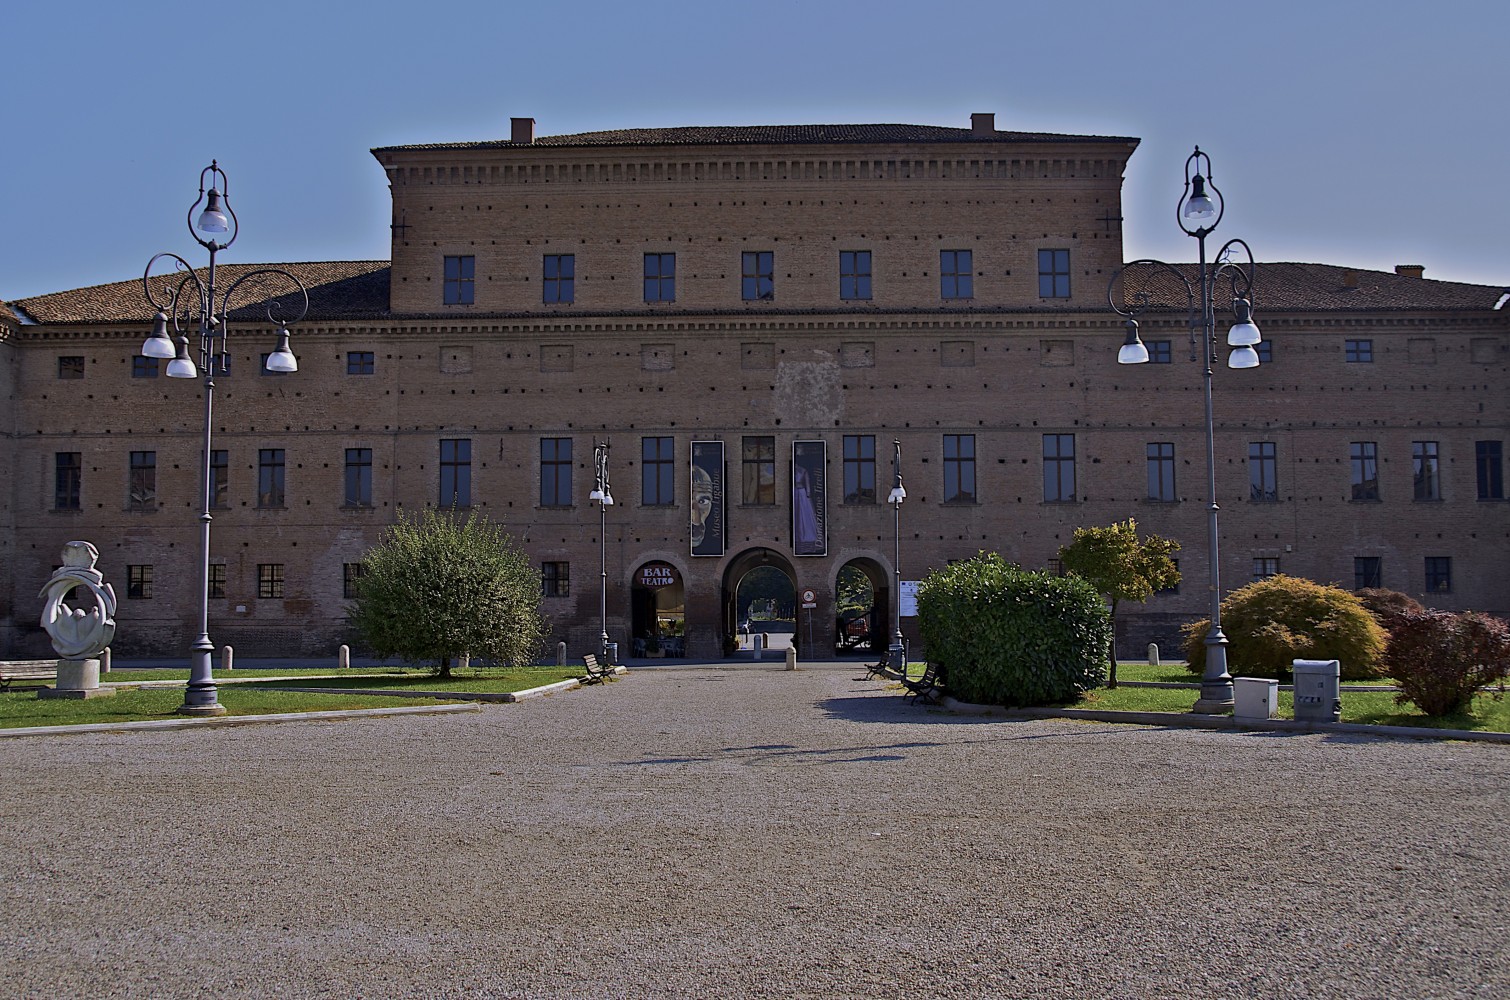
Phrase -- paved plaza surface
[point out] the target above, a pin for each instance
(745, 831)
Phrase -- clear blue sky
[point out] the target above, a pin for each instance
(1359, 133)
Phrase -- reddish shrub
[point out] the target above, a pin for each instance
(1441, 659)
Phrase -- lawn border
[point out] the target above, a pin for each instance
(1190, 720)
(236, 720)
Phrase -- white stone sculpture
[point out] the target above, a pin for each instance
(78, 634)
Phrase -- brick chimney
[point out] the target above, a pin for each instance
(1411, 270)
(1349, 279)
(523, 130)
(983, 123)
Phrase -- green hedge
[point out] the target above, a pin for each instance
(1002, 635)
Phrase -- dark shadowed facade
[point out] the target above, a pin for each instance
(752, 316)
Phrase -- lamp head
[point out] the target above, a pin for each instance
(898, 494)
(212, 219)
(1244, 332)
(160, 344)
(282, 360)
(1133, 352)
(181, 366)
(1199, 208)
(1243, 357)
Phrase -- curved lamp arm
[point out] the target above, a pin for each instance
(1197, 212)
(282, 358)
(1134, 304)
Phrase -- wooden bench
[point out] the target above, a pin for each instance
(27, 670)
(596, 672)
(923, 686)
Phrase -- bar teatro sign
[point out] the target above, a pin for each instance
(656, 574)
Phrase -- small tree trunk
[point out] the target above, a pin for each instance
(445, 667)
(1112, 681)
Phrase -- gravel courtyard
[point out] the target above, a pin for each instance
(750, 832)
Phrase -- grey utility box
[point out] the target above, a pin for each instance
(1255, 698)
(1318, 695)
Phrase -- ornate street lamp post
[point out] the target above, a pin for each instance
(897, 655)
(604, 499)
(1198, 214)
(199, 296)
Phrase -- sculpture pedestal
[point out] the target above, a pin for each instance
(77, 679)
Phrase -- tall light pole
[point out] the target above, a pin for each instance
(604, 499)
(897, 655)
(1198, 214)
(200, 296)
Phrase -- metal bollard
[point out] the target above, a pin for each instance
(1153, 654)
(560, 654)
(343, 658)
(105, 660)
(791, 657)
(227, 658)
(756, 642)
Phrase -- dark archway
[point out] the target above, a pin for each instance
(658, 611)
(779, 608)
(855, 612)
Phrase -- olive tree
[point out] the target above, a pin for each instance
(439, 586)
(1121, 566)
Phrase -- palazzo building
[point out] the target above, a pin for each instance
(751, 317)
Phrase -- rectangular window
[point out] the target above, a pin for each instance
(143, 367)
(264, 370)
(1439, 574)
(657, 468)
(757, 281)
(1160, 352)
(143, 485)
(559, 283)
(1058, 468)
(1265, 349)
(71, 366)
(215, 582)
(1265, 567)
(959, 468)
(555, 579)
(270, 477)
(758, 463)
(1358, 351)
(859, 468)
(956, 274)
(1427, 469)
(555, 472)
(455, 472)
(139, 583)
(854, 274)
(1053, 274)
(1367, 572)
(459, 275)
(68, 473)
(1365, 458)
(660, 277)
(1161, 471)
(220, 479)
(1489, 461)
(360, 362)
(1263, 472)
(270, 580)
(359, 477)
(351, 580)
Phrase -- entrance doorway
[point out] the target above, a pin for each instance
(759, 598)
(863, 608)
(658, 612)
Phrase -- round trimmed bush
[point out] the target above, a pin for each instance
(1271, 622)
(1002, 635)
(1442, 659)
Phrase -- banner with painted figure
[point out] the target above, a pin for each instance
(809, 498)
(707, 493)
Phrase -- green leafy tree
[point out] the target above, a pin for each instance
(1121, 566)
(439, 586)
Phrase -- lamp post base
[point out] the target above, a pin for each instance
(1214, 706)
(201, 711)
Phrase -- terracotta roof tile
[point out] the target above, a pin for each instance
(337, 289)
(1292, 287)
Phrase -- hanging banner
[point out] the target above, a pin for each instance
(707, 493)
(809, 498)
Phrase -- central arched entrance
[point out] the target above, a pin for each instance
(863, 608)
(759, 595)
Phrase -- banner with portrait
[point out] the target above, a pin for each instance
(707, 498)
(809, 498)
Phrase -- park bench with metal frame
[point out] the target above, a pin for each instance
(925, 686)
(27, 670)
(596, 672)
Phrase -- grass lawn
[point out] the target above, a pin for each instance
(20, 709)
(480, 680)
(129, 676)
